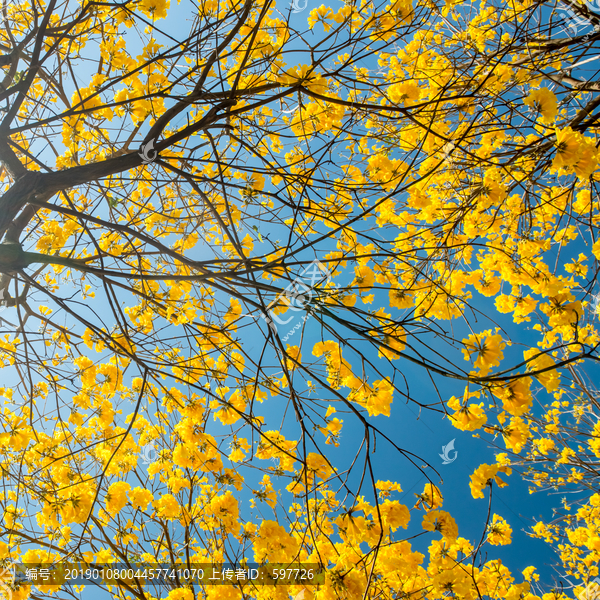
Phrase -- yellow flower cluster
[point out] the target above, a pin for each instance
(468, 416)
(442, 521)
(485, 475)
(543, 101)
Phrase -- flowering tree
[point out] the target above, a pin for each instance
(394, 186)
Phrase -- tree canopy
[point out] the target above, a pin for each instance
(219, 215)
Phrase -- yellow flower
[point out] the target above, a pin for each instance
(377, 399)
(468, 417)
(225, 510)
(400, 298)
(385, 487)
(499, 532)
(88, 371)
(320, 14)
(516, 434)
(116, 497)
(318, 465)
(394, 514)
(587, 162)
(352, 527)
(549, 379)
(544, 445)
(485, 474)
(543, 101)
(274, 542)
(407, 93)
(516, 397)
(430, 499)
(364, 278)
(394, 336)
(442, 521)
(167, 507)
(113, 379)
(237, 455)
(140, 498)
(331, 432)
(181, 594)
(293, 357)
(182, 456)
(488, 349)
(230, 411)
(567, 148)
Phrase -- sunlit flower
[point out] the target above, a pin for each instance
(543, 101)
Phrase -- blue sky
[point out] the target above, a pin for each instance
(423, 433)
